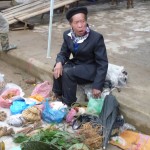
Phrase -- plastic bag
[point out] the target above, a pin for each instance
(19, 105)
(10, 93)
(127, 126)
(70, 115)
(79, 146)
(42, 89)
(51, 115)
(12, 86)
(57, 105)
(16, 120)
(94, 105)
(6, 97)
(117, 75)
(5, 103)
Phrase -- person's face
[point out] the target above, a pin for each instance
(79, 24)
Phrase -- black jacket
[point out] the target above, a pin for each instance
(91, 57)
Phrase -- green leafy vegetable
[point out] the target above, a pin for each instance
(60, 140)
(34, 145)
(20, 137)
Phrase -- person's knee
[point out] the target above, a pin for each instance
(68, 73)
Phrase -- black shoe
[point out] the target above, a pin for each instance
(59, 99)
(56, 96)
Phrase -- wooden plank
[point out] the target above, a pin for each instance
(65, 2)
(31, 12)
(20, 9)
(30, 9)
(17, 6)
(26, 14)
(25, 9)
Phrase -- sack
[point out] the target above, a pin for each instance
(42, 89)
(95, 105)
(51, 115)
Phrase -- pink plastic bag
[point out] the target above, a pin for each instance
(5, 98)
(70, 115)
(42, 89)
(5, 103)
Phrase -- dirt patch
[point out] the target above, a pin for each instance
(17, 76)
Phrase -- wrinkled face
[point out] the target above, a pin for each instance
(79, 24)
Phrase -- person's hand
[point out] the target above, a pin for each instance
(96, 93)
(58, 70)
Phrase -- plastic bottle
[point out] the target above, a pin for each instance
(119, 140)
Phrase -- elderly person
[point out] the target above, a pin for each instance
(4, 29)
(89, 63)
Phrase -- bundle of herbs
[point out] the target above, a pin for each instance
(54, 139)
(91, 134)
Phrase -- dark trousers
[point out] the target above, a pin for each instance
(66, 85)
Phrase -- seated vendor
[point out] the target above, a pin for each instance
(89, 63)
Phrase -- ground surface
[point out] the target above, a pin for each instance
(17, 76)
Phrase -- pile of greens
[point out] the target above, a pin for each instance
(50, 139)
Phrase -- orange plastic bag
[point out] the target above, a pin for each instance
(133, 141)
(37, 97)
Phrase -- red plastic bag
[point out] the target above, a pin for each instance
(42, 89)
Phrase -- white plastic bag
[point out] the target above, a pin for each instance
(117, 75)
(8, 93)
(13, 86)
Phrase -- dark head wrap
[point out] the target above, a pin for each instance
(76, 10)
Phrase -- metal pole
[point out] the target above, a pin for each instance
(50, 28)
